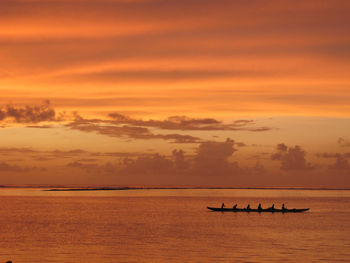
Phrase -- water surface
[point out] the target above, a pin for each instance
(172, 226)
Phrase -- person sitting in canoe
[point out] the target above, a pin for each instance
(273, 206)
(259, 207)
(248, 207)
(235, 207)
(222, 206)
(283, 207)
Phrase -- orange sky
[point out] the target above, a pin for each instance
(89, 88)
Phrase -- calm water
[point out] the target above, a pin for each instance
(172, 226)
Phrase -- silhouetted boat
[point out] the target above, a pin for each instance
(271, 210)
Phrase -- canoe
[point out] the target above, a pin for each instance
(274, 210)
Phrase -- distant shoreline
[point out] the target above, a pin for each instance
(190, 188)
(119, 188)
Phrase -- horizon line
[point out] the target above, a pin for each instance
(72, 187)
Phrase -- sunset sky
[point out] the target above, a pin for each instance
(175, 92)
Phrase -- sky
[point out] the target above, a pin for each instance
(175, 92)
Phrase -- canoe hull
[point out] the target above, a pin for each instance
(269, 210)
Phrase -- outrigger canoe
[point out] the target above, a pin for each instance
(271, 210)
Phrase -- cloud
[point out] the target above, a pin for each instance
(39, 155)
(144, 164)
(292, 158)
(127, 131)
(210, 159)
(31, 114)
(43, 158)
(213, 158)
(7, 150)
(149, 164)
(340, 164)
(180, 162)
(343, 142)
(5, 167)
(28, 114)
(66, 154)
(112, 40)
(333, 155)
(39, 126)
(215, 151)
(260, 156)
(84, 155)
(107, 168)
(118, 154)
(282, 147)
(128, 76)
(135, 129)
(24, 150)
(187, 123)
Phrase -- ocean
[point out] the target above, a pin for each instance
(172, 225)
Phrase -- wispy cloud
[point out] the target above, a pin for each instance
(100, 44)
(74, 154)
(122, 126)
(187, 123)
(126, 131)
